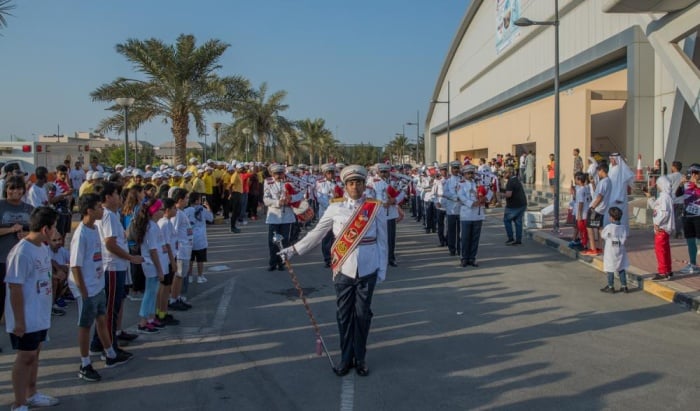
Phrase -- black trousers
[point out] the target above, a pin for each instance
(3, 290)
(285, 231)
(115, 293)
(429, 215)
(471, 233)
(391, 238)
(440, 218)
(226, 204)
(252, 205)
(235, 208)
(452, 232)
(413, 206)
(354, 314)
(326, 245)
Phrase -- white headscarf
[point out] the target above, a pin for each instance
(620, 177)
(663, 206)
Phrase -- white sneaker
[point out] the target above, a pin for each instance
(42, 400)
(191, 277)
(20, 408)
(135, 296)
(690, 269)
(245, 222)
(201, 279)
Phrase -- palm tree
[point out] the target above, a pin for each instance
(399, 146)
(328, 146)
(261, 114)
(180, 83)
(312, 133)
(5, 7)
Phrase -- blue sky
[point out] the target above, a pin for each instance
(365, 66)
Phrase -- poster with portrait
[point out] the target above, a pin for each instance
(507, 11)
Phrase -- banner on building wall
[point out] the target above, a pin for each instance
(507, 11)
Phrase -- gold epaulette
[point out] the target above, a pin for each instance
(372, 200)
(338, 200)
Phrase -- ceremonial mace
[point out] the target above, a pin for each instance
(320, 344)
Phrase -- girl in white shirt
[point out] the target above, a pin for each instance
(170, 236)
(198, 215)
(155, 255)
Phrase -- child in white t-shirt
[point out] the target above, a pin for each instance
(615, 254)
(28, 305)
(184, 234)
(198, 215)
(87, 283)
(170, 244)
(155, 265)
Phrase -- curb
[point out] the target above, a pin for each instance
(635, 275)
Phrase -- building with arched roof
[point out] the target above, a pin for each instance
(629, 82)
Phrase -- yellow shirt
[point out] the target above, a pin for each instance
(198, 185)
(236, 183)
(193, 169)
(187, 186)
(217, 175)
(208, 183)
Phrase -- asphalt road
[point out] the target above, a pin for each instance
(528, 329)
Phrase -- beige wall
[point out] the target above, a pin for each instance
(534, 123)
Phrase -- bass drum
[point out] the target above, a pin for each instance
(304, 212)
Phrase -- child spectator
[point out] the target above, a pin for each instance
(581, 205)
(28, 306)
(184, 233)
(664, 225)
(597, 210)
(87, 284)
(169, 211)
(155, 256)
(198, 215)
(60, 262)
(615, 255)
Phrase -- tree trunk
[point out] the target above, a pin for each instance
(261, 146)
(180, 129)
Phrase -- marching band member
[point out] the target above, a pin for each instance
(327, 190)
(471, 215)
(280, 217)
(427, 181)
(359, 256)
(452, 206)
(440, 203)
(386, 191)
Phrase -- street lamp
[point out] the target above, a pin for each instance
(217, 126)
(126, 102)
(417, 124)
(246, 132)
(525, 22)
(448, 119)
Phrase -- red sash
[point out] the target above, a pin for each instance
(352, 233)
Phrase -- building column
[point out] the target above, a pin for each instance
(640, 100)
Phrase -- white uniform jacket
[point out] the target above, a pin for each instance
(277, 214)
(367, 258)
(450, 199)
(380, 193)
(470, 210)
(325, 191)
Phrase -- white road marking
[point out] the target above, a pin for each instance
(347, 393)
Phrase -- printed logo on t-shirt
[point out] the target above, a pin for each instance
(43, 287)
(164, 249)
(189, 232)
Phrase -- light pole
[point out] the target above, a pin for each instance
(216, 126)
(246, 132)
(417, 124)
(524, 22)
(448, 119)
(663, 143)
(126, 102)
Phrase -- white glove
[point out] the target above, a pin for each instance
(287, 253)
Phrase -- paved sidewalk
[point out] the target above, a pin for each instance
(683, 289)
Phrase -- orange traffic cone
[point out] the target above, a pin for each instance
(640, 172)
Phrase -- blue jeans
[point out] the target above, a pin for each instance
(148, 304)
(623, 278)
(514, 215)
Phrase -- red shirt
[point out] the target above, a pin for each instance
(245, 177)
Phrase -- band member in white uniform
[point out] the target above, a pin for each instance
(383, 188)
(280, 216)
(326, 190)
(360, 260)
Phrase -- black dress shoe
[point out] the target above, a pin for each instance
(393, 264)
(463, 263)
(342, 369)
(362, 369)
(453, 253)
(280, 267)
(473, 264)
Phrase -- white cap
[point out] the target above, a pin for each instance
(137, 173)
(88, 175)
(180, 167)
(193, 160)
(148, 174)
(187, 174)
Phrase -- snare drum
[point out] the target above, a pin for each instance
(304, 212)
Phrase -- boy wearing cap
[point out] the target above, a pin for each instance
(359, 262)
(382, 188)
